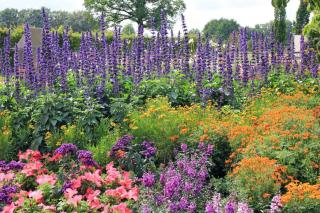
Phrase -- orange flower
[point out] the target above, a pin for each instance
(301, 191)
(174, 138)
(204, 137)
(120, 154)
(266, 195)
(183, 131)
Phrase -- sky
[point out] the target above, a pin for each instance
(198, 12)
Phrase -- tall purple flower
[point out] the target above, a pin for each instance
(276, 204)
(6, 66)
(186, 51)
(244, 208)
(16, 71)
(215, 205)
(230, 207)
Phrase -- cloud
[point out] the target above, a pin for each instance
(68, 5)
(245, 12)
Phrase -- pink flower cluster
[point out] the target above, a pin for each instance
(103, 189)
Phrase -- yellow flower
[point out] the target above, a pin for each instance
(48, 136)
(59, 142)
(31, 126)
(5, 131)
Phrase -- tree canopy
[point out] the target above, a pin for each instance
(79, 21)
(267, 27)
(302, 17)
(139, 11)
(312, 30)
(220, 28)
(280, 19)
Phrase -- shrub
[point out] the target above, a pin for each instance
(258, 178)
(136, 157)
(182, 186)
(161, 123)
(101, 149)
(47, 114)
(5, 135)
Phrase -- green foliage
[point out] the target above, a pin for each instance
(280, 19)
(79, 21)
(141, 11)
(312, 30)
(128, 30)
(267, 27)
(220, 28)
(103, 146)
(9, 17)
(5, 134)
(133, 159)
(178, 89)
(47, 113)
(16, 34)
(302, 17)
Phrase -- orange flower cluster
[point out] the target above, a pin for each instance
(257, 166)
(300, 191)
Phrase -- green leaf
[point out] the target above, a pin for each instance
(36, 143)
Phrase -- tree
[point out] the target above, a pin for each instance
(9, 18)
(267, 27)
(139, 11)
(128, 30)
(280, 19)
(302, 17)
(220, 28)
(312, 30)
(31, 16)
(81, 21)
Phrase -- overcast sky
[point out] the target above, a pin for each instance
(198, 13)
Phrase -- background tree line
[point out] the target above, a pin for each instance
(79, 21)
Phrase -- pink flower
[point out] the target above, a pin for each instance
(76, 183)
(122, 208)
(69, 193)
(6, 177)
(119, 192)
(126, 181)
(55, 158)
(72, 198)
(50, 179)
(106, 209)
(92, 197)
(20, 201)
(133, 194)
(30, 155)
(48, 208)
(9, 208)
(75, 200)
(36, 195)
(90, 194)
(112, 173)
(30, 168)
(93, 177)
